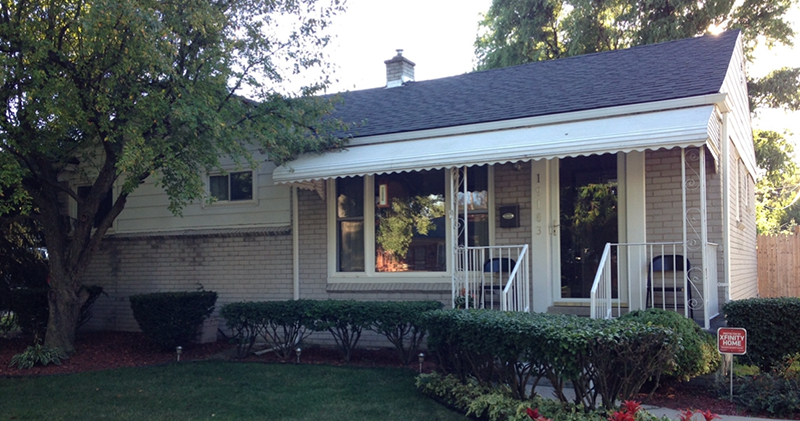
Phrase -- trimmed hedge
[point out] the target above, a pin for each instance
(604, 360)
(772, 325)
(345, 320)
(399, 322)
(171, 319)
(283, 324)
(697, 353)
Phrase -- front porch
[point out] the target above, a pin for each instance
(629, 277)
(653, 248)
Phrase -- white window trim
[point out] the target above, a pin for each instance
(253, 177)
(72, 207)
(369, 275)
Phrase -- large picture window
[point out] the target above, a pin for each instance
(231, 187)
(410, 224)
(399, 223)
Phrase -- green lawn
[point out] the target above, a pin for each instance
(222, 391)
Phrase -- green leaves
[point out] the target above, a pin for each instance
(37, 355)
(601, 358)
(772, 325)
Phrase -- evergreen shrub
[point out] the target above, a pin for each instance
(171, 319)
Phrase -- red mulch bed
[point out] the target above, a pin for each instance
(107, 350)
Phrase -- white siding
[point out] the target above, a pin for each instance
(146, 209)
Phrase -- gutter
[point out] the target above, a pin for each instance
(726, 206)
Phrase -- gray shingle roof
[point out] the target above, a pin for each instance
(670, 70)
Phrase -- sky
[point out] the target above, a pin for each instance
(438, 36)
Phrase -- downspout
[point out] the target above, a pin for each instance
(726, 206)
(295, 245)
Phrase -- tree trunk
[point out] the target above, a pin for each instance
(65, 307)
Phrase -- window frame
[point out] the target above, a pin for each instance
(370, 275)
(73, 204)
(228, 173)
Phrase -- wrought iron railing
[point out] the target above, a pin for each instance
(661, 275)
(492, 277)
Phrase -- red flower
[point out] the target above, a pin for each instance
(533, 413)
(632, 407)
(708, 415)
(621, 416)
(686, 414)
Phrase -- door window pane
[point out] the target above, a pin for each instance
(588, 208)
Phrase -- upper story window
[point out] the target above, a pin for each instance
(105, 205)
(231, 187)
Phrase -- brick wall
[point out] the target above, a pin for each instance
(513, 187)
(241, 267)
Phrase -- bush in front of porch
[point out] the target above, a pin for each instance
(604, 360)
(697, 353)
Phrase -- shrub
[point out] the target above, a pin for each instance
(32, 309)
(771, 325)
(400, 323)
(171, 319)
(499, 404)
(282, 324)
(771, 393)
(37, 354)
(345, 320)
(601, 358)
(697, 353)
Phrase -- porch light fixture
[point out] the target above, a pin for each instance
(178, 351)
(298, 351)
(421, 360)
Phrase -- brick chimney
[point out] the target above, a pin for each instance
(399, 70)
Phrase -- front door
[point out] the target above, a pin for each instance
(587, 219)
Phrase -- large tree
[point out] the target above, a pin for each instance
(110, 92)
(522, 31)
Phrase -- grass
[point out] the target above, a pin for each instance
(217, 390)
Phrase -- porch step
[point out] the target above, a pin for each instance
(582, 311)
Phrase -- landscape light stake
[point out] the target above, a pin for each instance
(178, 351)
(421, 360)
(298, 351)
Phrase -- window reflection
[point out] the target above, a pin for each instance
(350, 224)
(410, 223)
(477, 201)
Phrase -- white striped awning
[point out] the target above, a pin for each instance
(685, 127)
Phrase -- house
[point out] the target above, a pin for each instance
(583, 185)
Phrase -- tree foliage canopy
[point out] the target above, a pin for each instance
(777, 187)
(110, 92)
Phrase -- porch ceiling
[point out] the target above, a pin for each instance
(684, 127)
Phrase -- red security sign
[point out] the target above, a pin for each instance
(732, 340)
